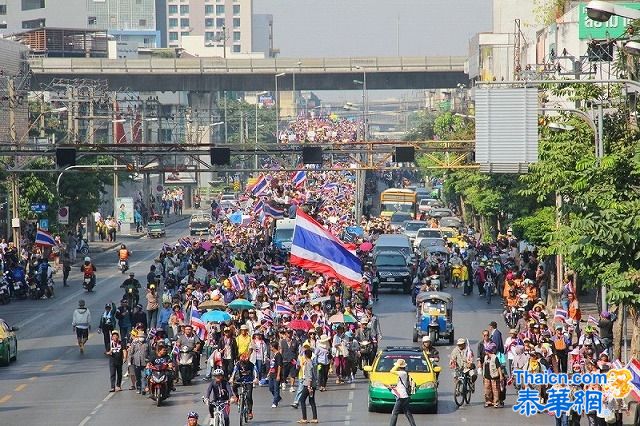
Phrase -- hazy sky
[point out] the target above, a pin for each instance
(370, 27)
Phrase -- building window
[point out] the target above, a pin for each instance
(142, 22)
(33, 23)
(236, 22)
(236, 49)
(209, 36)
(236, 9)
(92, 20)
(173, 36)
(3, 9)
(220, 9)
(32, 4)
(208, 9)
(184, 33)
(173, 22)
(219, 22)
(209, 22)
(173, 9)
(184, 9)
(146, 41)
(184, 22)
(236, 36)
(165, 135)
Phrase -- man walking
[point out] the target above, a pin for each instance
(107, 324)
(66, 267)
(116, 354)
(81, 323)
(275, 374)
(402, 392)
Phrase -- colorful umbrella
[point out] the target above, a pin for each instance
(366, 246)
(216, 316)
(300, 324)
(212, 304)
(240, 304)
(342, 318)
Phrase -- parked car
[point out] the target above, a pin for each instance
(8, 343)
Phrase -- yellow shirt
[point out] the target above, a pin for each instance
(243, 343)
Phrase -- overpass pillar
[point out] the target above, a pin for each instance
(202, 114)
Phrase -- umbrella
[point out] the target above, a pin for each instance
(366, 246)
(239, 304)
(342, 318)
(216, 316)
(300, 324)
(320, 299)
(212, 304)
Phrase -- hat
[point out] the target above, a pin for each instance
(265, 305)
(324, 338)
(81, 303)
(400, 363)
(244, 327)
(108, 305)
(115, 332)
(461, 341)
(513, 331)
(306, 345)
(426, 339)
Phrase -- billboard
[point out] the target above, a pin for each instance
(124, 209)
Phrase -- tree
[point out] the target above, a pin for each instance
(266, 122)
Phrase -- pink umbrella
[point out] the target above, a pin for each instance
(366, 246)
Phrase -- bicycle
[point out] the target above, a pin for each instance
(489, 287)
(243, 407)
(217, 418)
(463, 389)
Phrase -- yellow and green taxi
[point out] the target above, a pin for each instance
(8, 343)
(452, 235)
(419, 368)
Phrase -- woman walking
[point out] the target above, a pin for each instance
(309, 381)
(323, 360)
(117, 354)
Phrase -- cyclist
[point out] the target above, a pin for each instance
(245, 374)
(219, 391)
(192, 419)
(462, 359)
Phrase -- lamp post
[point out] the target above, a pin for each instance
(255, 147)
(361, 172)
(282, 74)
(295, 94)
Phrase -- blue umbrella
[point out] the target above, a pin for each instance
(216, 316)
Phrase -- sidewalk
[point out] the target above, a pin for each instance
(102, 246)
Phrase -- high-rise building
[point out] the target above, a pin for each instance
(222, 23)
(20, 15)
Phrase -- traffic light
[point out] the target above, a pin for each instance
(312, 155)
(65, 157)
(220, 156)
(404, 154)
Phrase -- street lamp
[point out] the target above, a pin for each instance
(282, 74)
(602, 11)
(255, 154)
(295, 95)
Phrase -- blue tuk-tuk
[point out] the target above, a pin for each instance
(434, 316)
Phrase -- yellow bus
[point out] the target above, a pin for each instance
(397, 200)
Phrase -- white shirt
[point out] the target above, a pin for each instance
(400, 391)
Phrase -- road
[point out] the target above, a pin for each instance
(53, 384)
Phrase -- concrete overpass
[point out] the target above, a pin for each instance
(216, 74)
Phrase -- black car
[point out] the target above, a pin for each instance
(393, 270)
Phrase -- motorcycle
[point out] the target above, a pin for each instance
(159, 383)
(512, 315)
(89, 282)
(83, 247)
(132, 296)
(185, 362)
(5, 295)
(35, 291)
(123, 264)
(20, 289)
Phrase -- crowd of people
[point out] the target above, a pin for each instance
(314, 128)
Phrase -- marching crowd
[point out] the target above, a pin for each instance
(321, 129)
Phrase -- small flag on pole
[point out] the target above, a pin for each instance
(299, 178)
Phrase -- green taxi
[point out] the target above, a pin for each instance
(419, 368)
(8, 343)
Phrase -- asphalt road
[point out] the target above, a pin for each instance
(53, 384)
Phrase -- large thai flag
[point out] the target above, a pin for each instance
(261, 186)
(283, 309)
(273, 212)
(634, 368)
(299, 178)
(43, 238)
(259, 207)
(318, 250)
(198, 325)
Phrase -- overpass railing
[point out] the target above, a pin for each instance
(242, 66)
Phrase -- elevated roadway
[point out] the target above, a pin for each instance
(217, 74)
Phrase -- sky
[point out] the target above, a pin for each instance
(306, 28)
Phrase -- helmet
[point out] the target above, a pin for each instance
(218, 372)
(87, 259)
(192, 415)
(122, 246)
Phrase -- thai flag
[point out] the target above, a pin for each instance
(198, 325)
(261, 186)
(316, 249)
(175, 351)
(185, 243)
(237, 282)
(270, 211)
(267, 317)
(299, 178)
(617, 364)
(43, 238)
(339, 197)
(560, 314)
(277, 269)
(331, 210)
(259, 207)
(634, 368)
(283, 309)
(329, 186)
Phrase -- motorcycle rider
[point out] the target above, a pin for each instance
(219, 390)
(134, 284)
(88, 269)
(44, 271)
(245, 372)
(123, 254)
(193, 342)
(162, 358)
(429, 350)
(81, 323)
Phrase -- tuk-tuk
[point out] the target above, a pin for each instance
(155, 227)
(434, 316)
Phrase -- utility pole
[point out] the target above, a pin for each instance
(13, 138)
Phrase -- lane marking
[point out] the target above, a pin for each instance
(5, 398)
(20, 388)
(30, 320)
(349, 407)
(85, 421)
(47, 367)
(31, 379)
(463, 419)
(347, 420)
(108, 397)
(95, 410)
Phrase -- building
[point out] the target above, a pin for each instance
(226, 24)
(262, 35)
(131, 23)
(20, 15)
